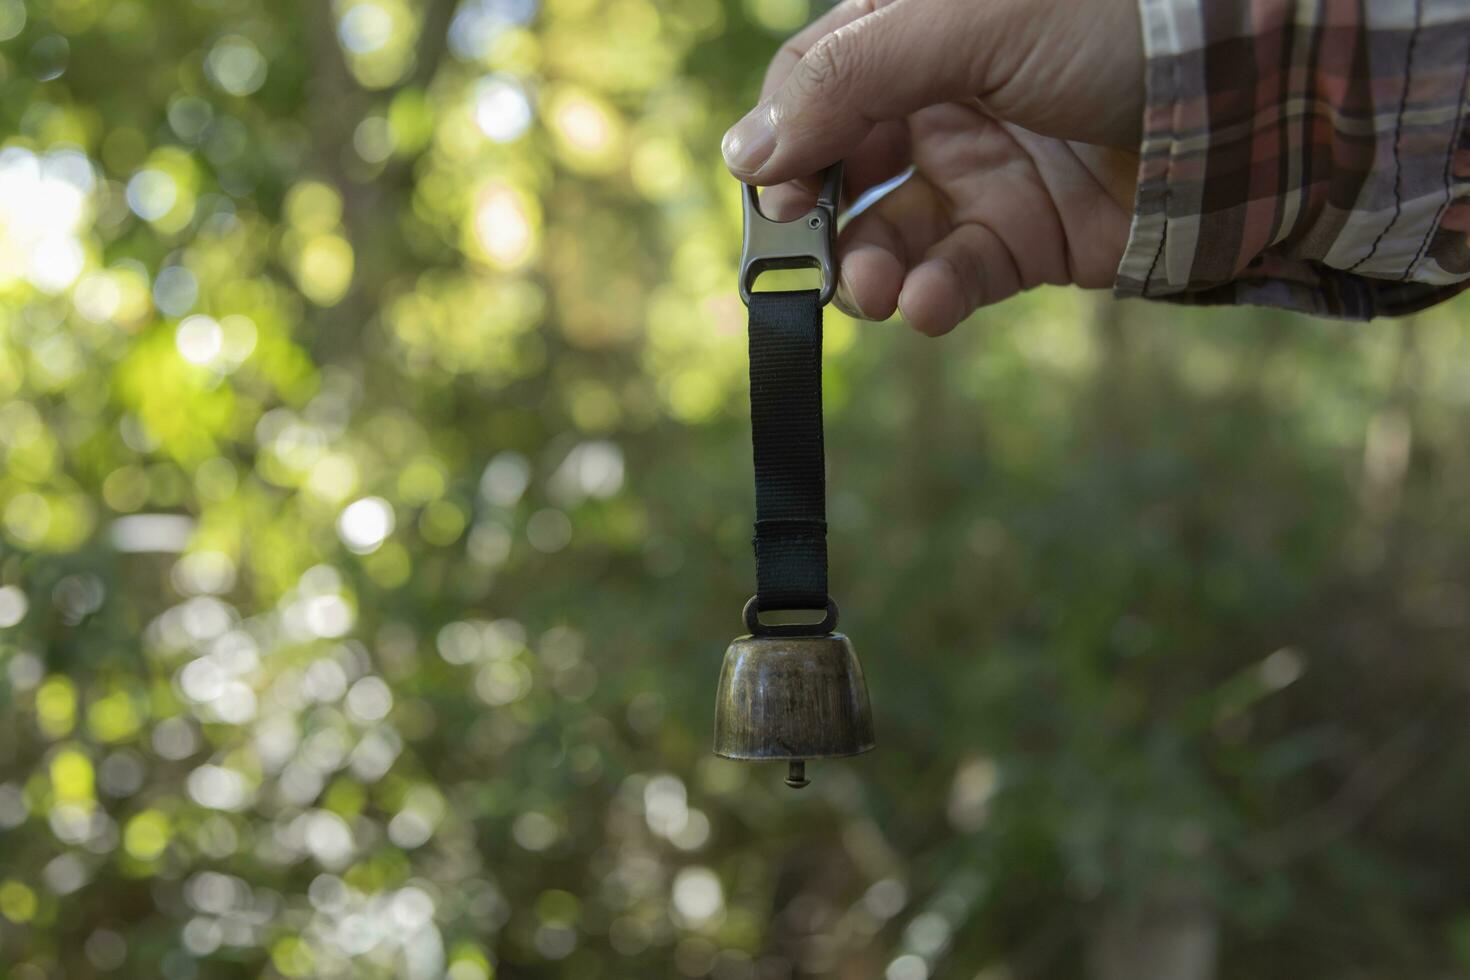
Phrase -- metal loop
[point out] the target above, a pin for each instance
(809, 241)
(752, 616)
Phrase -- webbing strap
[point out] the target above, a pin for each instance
(786, 422)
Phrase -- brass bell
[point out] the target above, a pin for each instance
(790, 697)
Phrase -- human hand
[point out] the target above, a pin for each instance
(1021, 119)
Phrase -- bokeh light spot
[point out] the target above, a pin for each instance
(199, 339)
(235, 65)
(147, 834)
(13, 606)
(502, 110)
(365, 28)
(588, 131)
(698, 898)
(364, 524)
(152, 194)
(12, 18)
(505, 224)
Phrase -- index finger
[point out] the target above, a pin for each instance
(801, 42)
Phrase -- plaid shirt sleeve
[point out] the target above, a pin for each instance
(1304, 154)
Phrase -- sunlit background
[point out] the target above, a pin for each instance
(375, 510)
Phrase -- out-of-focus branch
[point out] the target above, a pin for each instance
(334, 108)
(433, 43)
(433, 46)
(1384, 770)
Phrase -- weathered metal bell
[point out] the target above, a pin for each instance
(792, 698)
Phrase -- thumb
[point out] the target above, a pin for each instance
(884, 65)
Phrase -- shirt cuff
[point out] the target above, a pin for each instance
(1301, 159)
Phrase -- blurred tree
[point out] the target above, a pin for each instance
(375, 505)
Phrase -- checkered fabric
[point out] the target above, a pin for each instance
(1304, 154)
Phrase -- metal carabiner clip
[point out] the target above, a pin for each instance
(808, 242)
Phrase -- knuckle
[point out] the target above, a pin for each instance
(827, 63)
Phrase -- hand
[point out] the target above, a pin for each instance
(1020, 117)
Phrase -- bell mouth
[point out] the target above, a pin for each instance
(792, 699)
(797, 757)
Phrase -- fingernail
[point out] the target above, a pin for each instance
(844, 301)
(749, 143)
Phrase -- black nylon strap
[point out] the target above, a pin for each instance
(786, 422)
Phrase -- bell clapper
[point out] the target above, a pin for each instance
(796, 774)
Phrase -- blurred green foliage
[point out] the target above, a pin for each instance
(374, 511)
